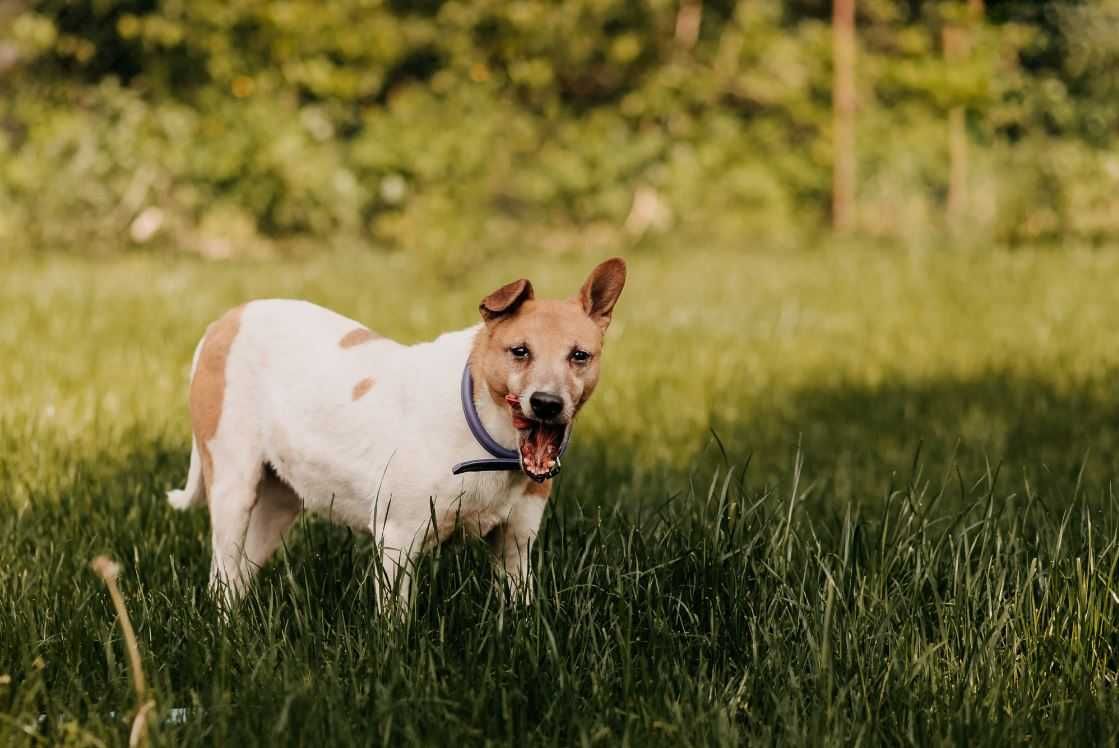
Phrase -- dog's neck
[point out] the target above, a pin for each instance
(494, 417)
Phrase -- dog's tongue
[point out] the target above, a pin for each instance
(540, 448)
(542, 441)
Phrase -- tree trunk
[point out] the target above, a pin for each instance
(688, 18)
(957, 205)
(843, 109)
(957, 45)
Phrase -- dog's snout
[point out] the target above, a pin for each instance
(546, 405)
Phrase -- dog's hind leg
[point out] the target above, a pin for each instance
(276, 509)
(249, 523)
(232, 500)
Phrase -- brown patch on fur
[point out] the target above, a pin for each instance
(207, 387)
(363, 387)
(357, 336)
(539, 490)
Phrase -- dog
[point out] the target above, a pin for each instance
(296, 408)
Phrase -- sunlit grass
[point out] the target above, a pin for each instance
(827, 495)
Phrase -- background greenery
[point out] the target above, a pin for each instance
(458, 129)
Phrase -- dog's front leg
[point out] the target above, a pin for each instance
(511, 543)
(394, 579)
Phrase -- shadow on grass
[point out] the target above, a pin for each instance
(661, 585)
(858, 440)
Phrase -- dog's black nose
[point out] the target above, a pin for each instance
(545, 405)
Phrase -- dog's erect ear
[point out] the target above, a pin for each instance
(505, 300)
(602, 289)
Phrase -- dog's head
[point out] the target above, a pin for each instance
(539, 358)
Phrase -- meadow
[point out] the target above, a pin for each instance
(843, 495)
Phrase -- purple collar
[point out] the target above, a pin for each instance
(503, 459)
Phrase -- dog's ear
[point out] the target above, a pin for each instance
(602, 289)
(505, 300)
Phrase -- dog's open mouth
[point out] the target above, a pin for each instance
(538, 442)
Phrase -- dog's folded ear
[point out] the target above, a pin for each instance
(602, 289)
(505, 300)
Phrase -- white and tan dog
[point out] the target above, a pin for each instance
(294, 407)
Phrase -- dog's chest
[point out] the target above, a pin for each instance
(476, 513)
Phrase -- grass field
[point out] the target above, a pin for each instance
(830, 497)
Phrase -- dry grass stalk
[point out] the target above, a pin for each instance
(109, 570)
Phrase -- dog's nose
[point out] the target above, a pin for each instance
(546, 405)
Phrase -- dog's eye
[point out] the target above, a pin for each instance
(580, 356)
(520, 352)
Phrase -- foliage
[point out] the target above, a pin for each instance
(910, 537)
(454, 128)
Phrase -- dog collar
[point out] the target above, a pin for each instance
(503, 459)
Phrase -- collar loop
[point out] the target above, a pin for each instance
(503, 459)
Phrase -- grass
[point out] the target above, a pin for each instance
(830, 497)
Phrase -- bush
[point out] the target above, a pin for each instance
(460, 128)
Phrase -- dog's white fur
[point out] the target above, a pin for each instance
(294, 434)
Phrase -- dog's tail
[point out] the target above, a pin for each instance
(193, 494)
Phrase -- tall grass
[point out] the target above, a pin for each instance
(818, 499)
